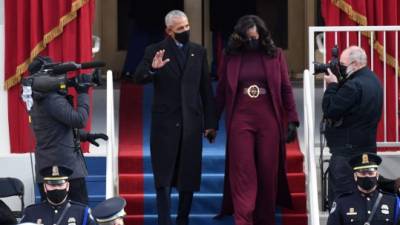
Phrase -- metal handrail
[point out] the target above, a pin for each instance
(311, 171)
(112, 151)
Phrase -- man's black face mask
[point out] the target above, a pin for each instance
(367, 183)
(57, 196)
(182, 37)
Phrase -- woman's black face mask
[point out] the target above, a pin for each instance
(252, 44)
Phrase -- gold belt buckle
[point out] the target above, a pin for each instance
(253, 91)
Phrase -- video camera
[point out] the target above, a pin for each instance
(48, 76)
(333, 65)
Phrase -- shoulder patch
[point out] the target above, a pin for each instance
(333, 208)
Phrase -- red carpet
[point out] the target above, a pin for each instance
(130, 150)
(294, 165)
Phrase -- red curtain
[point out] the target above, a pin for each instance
(369, 13)
(61, 29)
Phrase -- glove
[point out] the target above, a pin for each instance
(93, 137)
(292, 132)
(82, 83)
(210, 134)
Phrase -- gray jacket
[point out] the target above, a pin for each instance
(53, 119)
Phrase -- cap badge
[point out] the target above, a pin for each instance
(55, 171)
(365, 159)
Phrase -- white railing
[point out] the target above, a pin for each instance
(311, 169)
(112, 151)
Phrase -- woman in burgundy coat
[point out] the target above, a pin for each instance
(255, 90)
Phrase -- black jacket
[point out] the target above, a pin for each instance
(45, 213)
(355, 109)
(183, 107)
(53, 119)
(353, 209)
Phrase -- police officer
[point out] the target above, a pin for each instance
(57, 209)
(110, 212)
(352, 109)
(55, 123)
(366, 205)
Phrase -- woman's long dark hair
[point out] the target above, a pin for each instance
(237, 40)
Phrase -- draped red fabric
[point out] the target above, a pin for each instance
(371, 13)
(59, 29)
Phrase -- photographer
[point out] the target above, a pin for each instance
(352, 110)
(55, 123)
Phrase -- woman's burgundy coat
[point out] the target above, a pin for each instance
(280, 89)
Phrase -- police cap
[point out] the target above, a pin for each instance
(365, 161)
(109, 210)
(55, 174)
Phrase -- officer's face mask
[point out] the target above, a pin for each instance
(367, 182)
(57, 196)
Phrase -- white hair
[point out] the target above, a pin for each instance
(357, 54)
(169, 18)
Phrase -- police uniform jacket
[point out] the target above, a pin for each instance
(356, 106)
(355, 208)
(47, 214)
(183, 107)
(53, 119)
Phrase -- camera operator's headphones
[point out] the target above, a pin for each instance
(38, 63)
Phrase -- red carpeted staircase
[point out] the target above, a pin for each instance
(136, 181)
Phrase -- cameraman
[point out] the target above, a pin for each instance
(55, 123)
(352, 110)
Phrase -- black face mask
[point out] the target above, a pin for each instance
(367, 183)
(57, 196)
(343, 70)
(182, 37)
(252, 44)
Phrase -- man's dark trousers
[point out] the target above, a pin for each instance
(164, 206)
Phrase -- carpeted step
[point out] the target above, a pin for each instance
(213, 161)
(202, 203)
(199, 219)
(208, 219)
(208, 203)
(297, 182)
(294, 218)
(210, 183)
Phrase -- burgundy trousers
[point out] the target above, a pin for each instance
(253, 160)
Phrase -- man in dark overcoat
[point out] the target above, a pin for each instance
(183, 111)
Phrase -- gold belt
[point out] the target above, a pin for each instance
(253, 91)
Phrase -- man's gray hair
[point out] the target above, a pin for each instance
(169, 18)
(357, 54)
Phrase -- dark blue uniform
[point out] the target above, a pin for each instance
(353, 110)
(47, 214)
(356, 207)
